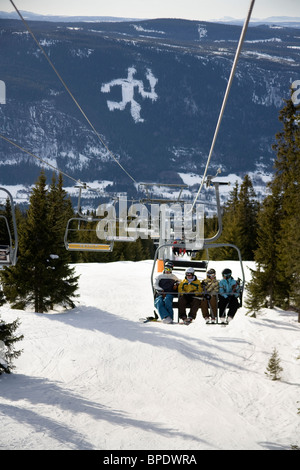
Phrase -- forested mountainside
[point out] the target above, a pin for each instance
(152, 89)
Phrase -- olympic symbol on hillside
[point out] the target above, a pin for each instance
(129, 86)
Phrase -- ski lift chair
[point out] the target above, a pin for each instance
(199, 267)
(83, 246)
(179, 266)
(8, 251)
(73, 231)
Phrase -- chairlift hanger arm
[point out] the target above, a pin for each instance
(228, 245)
(216, 185)
(79, 202)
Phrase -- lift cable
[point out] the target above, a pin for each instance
(95, 131)
(69, 91)
(226, 96)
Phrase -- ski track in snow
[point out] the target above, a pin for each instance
(96, 378)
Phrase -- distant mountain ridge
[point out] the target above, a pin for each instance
(30, 16)
(282, 20)
(152, 89)
(286, 21)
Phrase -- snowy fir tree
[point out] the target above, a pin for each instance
(7, 345)
(263, 288)
(239, 222)
(277, 280)
(42, 276)
(274, 369)
(63, 281)
(246, 213)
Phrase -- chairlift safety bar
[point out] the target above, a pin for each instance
(79, 246)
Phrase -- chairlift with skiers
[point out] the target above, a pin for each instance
(165, 254)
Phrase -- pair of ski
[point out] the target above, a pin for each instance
(157, 320)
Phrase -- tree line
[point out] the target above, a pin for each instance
(276, 281)
(43, 277)
(267, 232)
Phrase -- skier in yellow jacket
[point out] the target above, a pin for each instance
(190, 292)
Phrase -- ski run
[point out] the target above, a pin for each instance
(95, 378)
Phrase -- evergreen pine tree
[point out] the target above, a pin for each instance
(277, 280)
(274, 369)
(35, 280)
(264, 286)
(287, 181)
(63, 281)
(27, 282)
(246, 215)
(229, 228)
(7, 343)
(239, 222)
(230, 225)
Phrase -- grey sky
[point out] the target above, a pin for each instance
(189, 9)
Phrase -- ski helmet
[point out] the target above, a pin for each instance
(189, 271)
(169, 264)
(211, 273)
(226, 272)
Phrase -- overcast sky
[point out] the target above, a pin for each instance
(188, 9)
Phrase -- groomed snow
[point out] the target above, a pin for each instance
(96, 378)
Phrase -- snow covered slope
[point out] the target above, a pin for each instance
(96, 378)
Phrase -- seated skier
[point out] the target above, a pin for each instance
(229, 291)
(165, 286)
(189, 289)
(209, 303)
